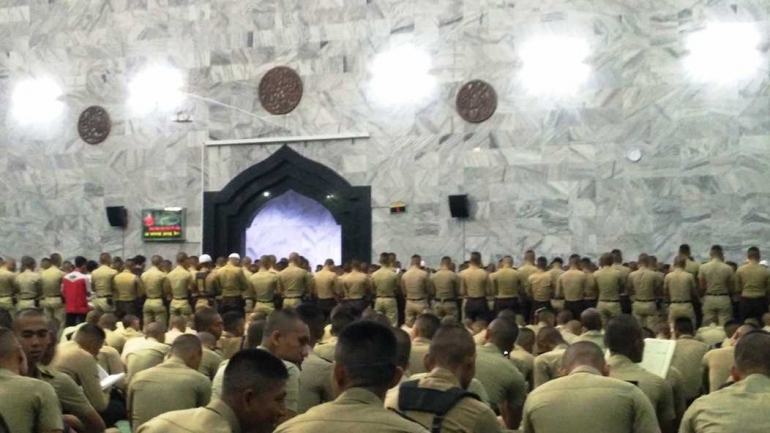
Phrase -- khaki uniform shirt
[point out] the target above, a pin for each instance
(654, 387)
(164, 388)
(153, 280)
(420, 348)
(524, 361)
(718, 363)
(326, 349)
(541, 286)
(264, 284)
(556, 273)
(692, 267)
(547, 366)
(609, 284)
(415, 283)
(181, 282)
(28, 405)
(593, 336)
(101, 279)
(296, 282)
(7, 288)
(468, 415)
(355, 410)
(126, 286)
(507, 283)
(231, 281)
(742, 407)
(752, 281)
(51, 281)
(500, 377)
(624, 273)
(718, 276)
(82, 367)
(586, 401)
(209, 363)
(526, 270)
(29, 285)
(644, 285)
(592, 292)
(687, 359)
(711, 335)
(679, 286)
(446, 284)
(217, 417)
(474, 283)
(571, 286)
(327, 284)
(73, 400)
(114, 339)
(385, 282)
(356, 285)
(315, 383)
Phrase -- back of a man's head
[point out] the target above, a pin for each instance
(426, 325)
(6, 319)
(108, 321)
(546, 316)
(564, 317)
(282, 321)
(313, 318)
(254, 379)
(526, 339)
(502, 333)
(752, 354)
(208, 320)
(623, 336)
(340, 321)
(10, 352)
(584, 354)
(189, 349)
(591, 319)
(179, 323)
(130, 321)
(367, 354)
(683, 326)
(403, 347)
(548, 338)
(453, 348)
(90, 338)
(155, 330)
(207, 340)
(255, 333)
(233, 323)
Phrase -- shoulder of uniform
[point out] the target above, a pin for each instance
(45, 371)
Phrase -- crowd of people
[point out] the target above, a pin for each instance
(235, 345)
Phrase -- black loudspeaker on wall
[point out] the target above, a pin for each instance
(458, 206)
(117, 216)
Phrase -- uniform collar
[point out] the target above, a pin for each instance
(180, 267)
(442, 376)
(585, 369)
(42, 370)
(421, 340)
(619, 361)
(491, 347)
(755, 382)
(175, 362)
(592, 332)
(225, 412)
(359, 395)
(105, 266)
(686, 337)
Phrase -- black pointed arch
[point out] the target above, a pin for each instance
(227, 213)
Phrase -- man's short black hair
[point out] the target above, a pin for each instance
(80, 261)
(426, 325)
(231, 319)
(368, 352)
(622, 333)
(127, 320)
(91, 331)
(683, 325)
(403, 347)
(340, 321)
(254, 369)
(6, 319)
(313, 317)
(752, 353)
(204, 318)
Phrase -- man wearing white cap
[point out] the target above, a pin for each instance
(232, 283)
(205, 287)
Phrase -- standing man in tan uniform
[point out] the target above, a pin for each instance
(265, 285)
(181, 284)
(691, 266)
(326, 287)
(101, 280)
(385, 283)
(52, 302)
(525, 271)
(295, 281)
(644, 288)
(604, 405)
(617, 264)
(556, 271)
(571, 286)
(128, 287)
(679, 288)
(508, 287)
(752, 281)
(415, 285)
(540, 286)
(233, 283)
(446, 284)
(7, 286)
(474, 288)
(592, 292)
(28, 285)
(716, 283)
(609, 283)
(154, 282)
(357, 288)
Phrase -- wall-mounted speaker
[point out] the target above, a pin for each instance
(458, 206)
(117, 216)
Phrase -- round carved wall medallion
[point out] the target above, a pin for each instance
(280, 90)
(476, 101)
(94, 125)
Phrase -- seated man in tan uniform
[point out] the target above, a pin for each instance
(452, 364)
(718, 362)
(252, 400)
(364, 369)
(741, 407)
(315, 380)
(586, 401)
(425, 328)
(173, 385)
(551, 347)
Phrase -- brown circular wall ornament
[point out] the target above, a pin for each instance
(94, 125)
(280, 90)
(476, 101)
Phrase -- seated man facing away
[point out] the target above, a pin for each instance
(744, 406)
(364, 369)
(173, 385)
(451, 360)
(252, 400)
(584, 400)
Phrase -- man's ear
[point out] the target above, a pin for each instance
(735, 373)
(338, 378)
(398, 374)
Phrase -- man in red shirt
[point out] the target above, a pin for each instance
(75, 291)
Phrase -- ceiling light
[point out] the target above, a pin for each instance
(554, 64)
(37, 100)
(401, 76)
(724, 52)
(156, 88)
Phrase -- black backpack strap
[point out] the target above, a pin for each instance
(433, 401)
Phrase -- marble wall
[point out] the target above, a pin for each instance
(545, 172)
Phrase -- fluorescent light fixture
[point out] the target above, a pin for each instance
(401, 76)
(37, 100)
(554, 64)
(724, 52)
(266, 194)
(156, 88)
